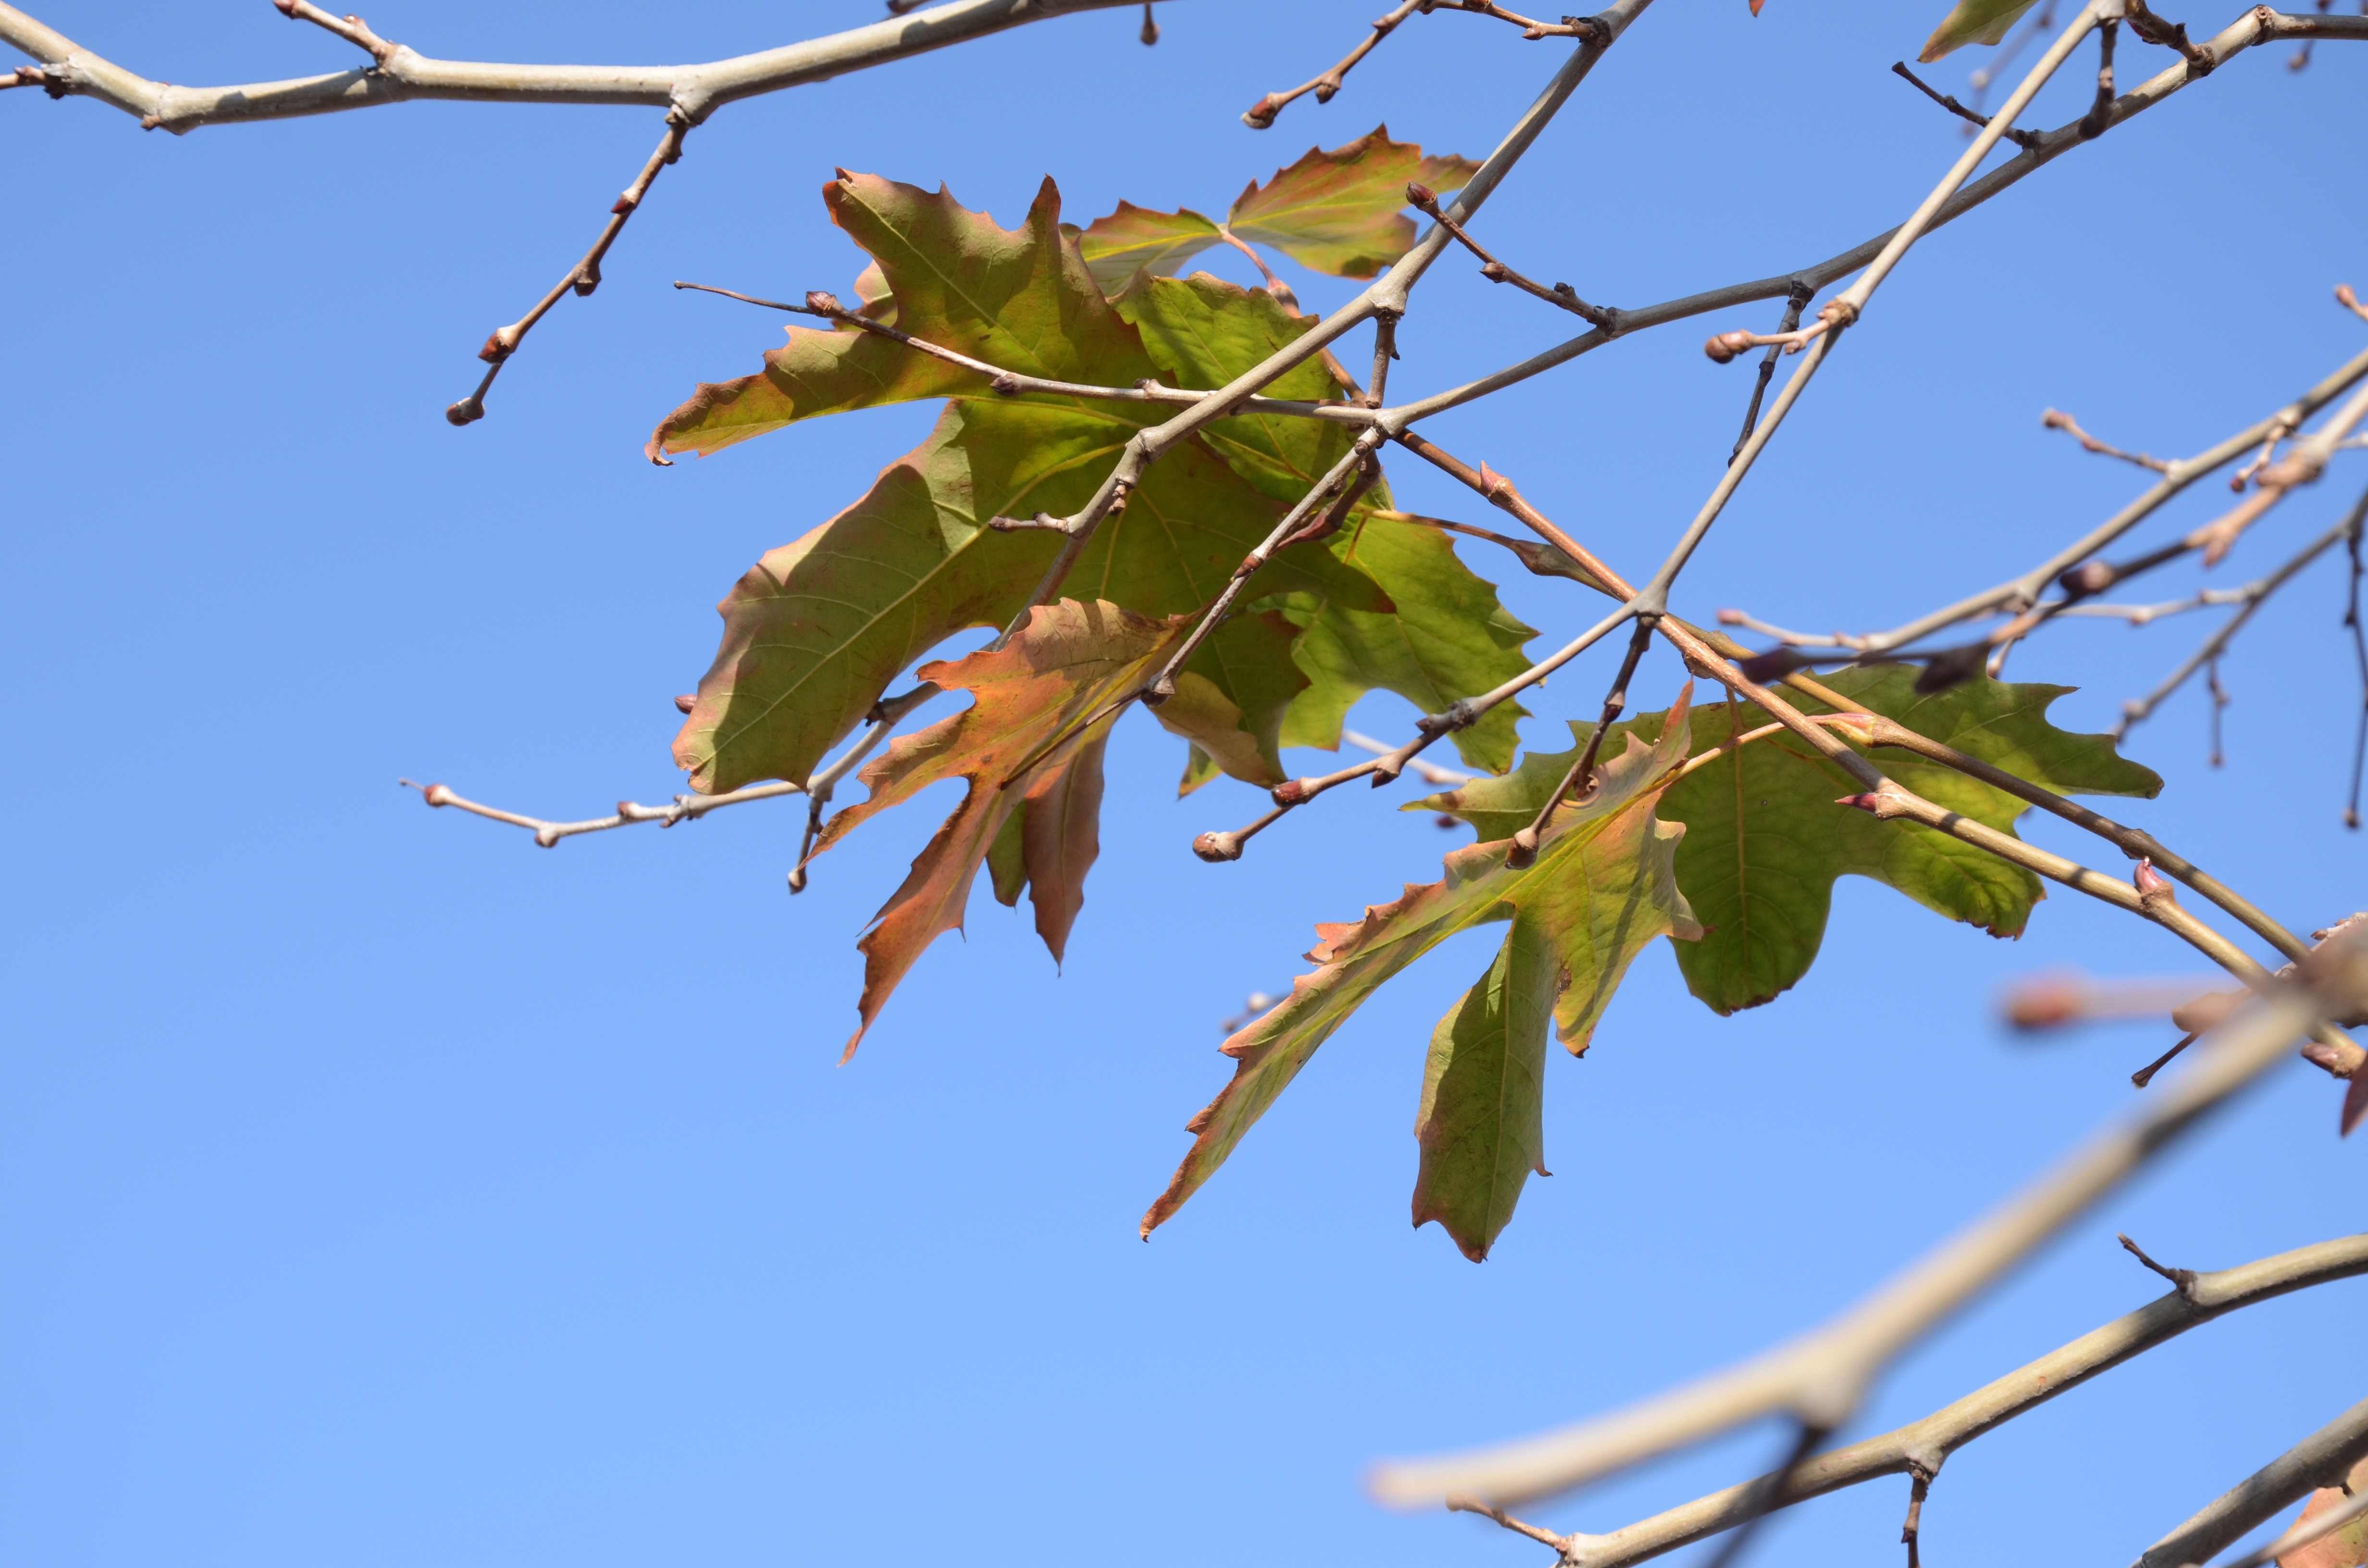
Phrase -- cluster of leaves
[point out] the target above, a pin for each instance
(817, 631)
(1735, 857)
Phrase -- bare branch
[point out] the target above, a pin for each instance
(2023, 139)
(686, 808)
(399, 73)
(1822, 1376)
(2323, 1459)
(2055, 419)
(583, 277)
(2251, 597)
(1260, 115)
(1923, 1446)
(2304, 1531)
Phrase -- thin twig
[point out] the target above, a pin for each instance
(1260, 115)
(582, 278)
(1423, 199)
(2139, 709)
(2024, 139)
(2055, 419)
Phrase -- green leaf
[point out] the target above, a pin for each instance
(1972, 21)
(1339, 212)
(1599, 890)
(817, 629)
(1765, 842)
(1135, 239)
(1481, 1122)
(1448, 638)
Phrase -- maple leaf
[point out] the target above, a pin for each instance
(816, 630)
(1339, 212)
(1031, 747)
(1600, 889)
(1765, 841)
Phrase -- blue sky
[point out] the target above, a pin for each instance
(377, 1188)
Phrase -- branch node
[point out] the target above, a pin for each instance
(2182, 1279)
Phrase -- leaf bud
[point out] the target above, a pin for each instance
(1422, 198)
(468, 411)
(1218, 847)
(1880, 805)
(1005, 384)
(1292, 791)
(2151, 884)
(1523, 850)
(501, 345)
(1260, 115)
(1724, 347)
(437, 795)
(823, 302)
(2090, 577)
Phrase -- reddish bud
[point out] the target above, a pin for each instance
(1292, 791)
(1421, 197)
(828, 303)
(1732, 618)
(436, 795)
(686, 702)
(1523, 850)
(1218, 847)
(1260, 115)
(2045, 1003)
(2151, 884)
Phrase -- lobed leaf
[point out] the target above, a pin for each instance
(816, 630)
(1136, 239)
(1029, 746)
(1340, 212)
(1765, 842)
(1600, 889)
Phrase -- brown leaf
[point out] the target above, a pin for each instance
(1030, 743)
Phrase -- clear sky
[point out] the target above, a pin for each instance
(376, 1189)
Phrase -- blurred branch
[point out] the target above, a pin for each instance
(1820, 1378)
(1923, 1446)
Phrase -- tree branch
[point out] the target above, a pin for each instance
(2323, 1459)
(1821, 1377)
(398, 73)
(1926, 1444)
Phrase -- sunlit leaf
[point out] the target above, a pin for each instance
(1600, 889)
(1341, 211)
(817, 629)
(1137, 239)
(1765, 842)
